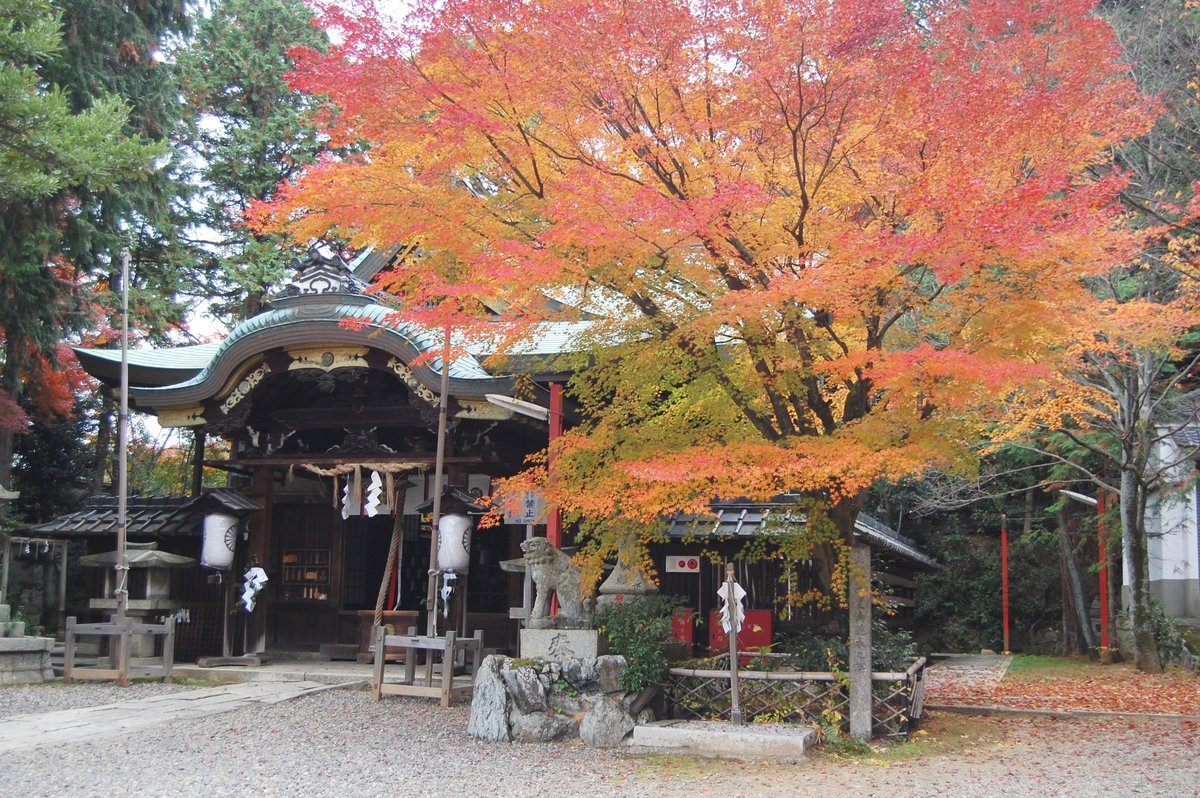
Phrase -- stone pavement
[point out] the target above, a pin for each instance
(976, 670)
(24, 732)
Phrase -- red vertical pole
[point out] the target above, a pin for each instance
(1103, 563)
(1004, 574)
(554, 520)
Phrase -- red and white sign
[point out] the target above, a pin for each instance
(683, 564)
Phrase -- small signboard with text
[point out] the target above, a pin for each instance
(526, 507)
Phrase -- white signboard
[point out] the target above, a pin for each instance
(683, 564)
(524, 508)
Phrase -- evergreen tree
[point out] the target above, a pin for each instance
(56, 155)
(250, 131)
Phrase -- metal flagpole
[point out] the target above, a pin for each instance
(122, 565)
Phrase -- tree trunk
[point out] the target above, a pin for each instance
(10, 382)
(859, 600)
(1075, 583)
(1137, 555)
(6, 458)
(104, 432)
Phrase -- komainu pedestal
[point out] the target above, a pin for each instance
(559, 645)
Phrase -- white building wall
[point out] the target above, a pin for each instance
(1174, 544)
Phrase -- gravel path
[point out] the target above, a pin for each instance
(339, 743)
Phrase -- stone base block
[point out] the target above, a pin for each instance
(25, 659)
(777, 742)
(558, 645)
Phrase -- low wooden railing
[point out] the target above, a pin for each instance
(119, 651)
(448, 647)
(796, 696)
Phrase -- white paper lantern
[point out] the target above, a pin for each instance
(454, 543)
(220, 537)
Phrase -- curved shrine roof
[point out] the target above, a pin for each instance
(327, 305)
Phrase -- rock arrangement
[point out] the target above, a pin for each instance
(535, 701)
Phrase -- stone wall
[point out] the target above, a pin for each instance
(522, 700)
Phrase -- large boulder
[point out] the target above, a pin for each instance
(608, 673)
(527, 686)
(489, 703)
(543, 727)
(607, 725)
(543, 701)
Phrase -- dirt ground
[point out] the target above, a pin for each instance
(959, 755)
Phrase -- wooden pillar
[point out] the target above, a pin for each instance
(198, 461)
(260, 554)
(860, 642)
(227, 591)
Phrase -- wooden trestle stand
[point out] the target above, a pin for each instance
(450, 646)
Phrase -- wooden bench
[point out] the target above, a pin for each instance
(450, 647)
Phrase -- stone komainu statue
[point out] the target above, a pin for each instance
(553, 572)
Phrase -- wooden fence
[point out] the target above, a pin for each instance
(796, 696)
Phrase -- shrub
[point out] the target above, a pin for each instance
(890, 651)
(639, 628)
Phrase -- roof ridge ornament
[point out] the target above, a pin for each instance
(323, 272)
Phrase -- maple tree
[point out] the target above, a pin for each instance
(824, 239)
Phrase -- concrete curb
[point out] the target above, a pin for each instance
(1065, 714)
(744, 742)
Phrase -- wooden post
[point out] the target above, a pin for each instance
(410, 660)
(62, 587)
(448, 668)
(477, 655)
(69, 654)
(861, 723)
(380, 655)
(169, 650)
(227, 601)
(735, 711)
(254, 630)
(124, 651)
